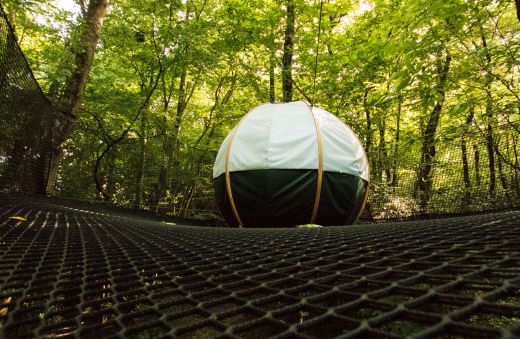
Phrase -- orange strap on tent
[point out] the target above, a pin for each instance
(229, 192)
(320, 169)
(228, 179)
(365, 198)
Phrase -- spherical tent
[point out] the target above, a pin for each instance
(290, 164)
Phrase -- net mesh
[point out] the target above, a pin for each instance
(69, 268)
(394, 187)
(74, 270)
(27, 120)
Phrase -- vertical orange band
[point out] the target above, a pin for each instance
(365, 198)
(229, 192)
(228, 179)
(320, 168)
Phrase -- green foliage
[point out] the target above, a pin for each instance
(378, 70)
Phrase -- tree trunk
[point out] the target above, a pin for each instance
(502, 176)
(489, 116)
(517, 3)
(142, 159)
(477, 164)
(395, 178)
(70, 101)
(186, 205)
(170, 144)
(503, 181)
(98, 180)
(465, 164)
(489, 143)
(383, 153)
(368, 136)
(465, 169)
(272, 64)
(111, 175)
(288, 52)
(105, 182)
(517, 163)
(424, 183)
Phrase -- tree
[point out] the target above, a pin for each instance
(424, 180)
(171, 78)
(69, 102)
(288, 47)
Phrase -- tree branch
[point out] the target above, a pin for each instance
(116, 141)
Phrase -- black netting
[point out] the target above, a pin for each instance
(27, 120)
(73, 270)
(394, 189)
(85, 270)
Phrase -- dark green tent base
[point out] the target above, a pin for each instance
(285, 197)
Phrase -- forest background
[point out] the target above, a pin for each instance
(151, 88)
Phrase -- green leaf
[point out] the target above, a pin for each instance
(403, 82)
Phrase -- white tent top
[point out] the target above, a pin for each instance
(284, 136)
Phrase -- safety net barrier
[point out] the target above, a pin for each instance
(72, 270)
(462, 180)
(28, 120)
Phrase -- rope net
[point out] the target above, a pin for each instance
(72, 270)
(28, 121)
(69, 268)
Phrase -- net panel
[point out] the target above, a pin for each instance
(394, 197)
(74, 270)
(27, 120)
(394, 187)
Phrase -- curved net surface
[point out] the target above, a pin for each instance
(74, 270)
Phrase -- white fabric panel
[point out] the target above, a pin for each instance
(293, 142)
(250, 146)
(342, 151)
(284, 136)
(220, 162)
